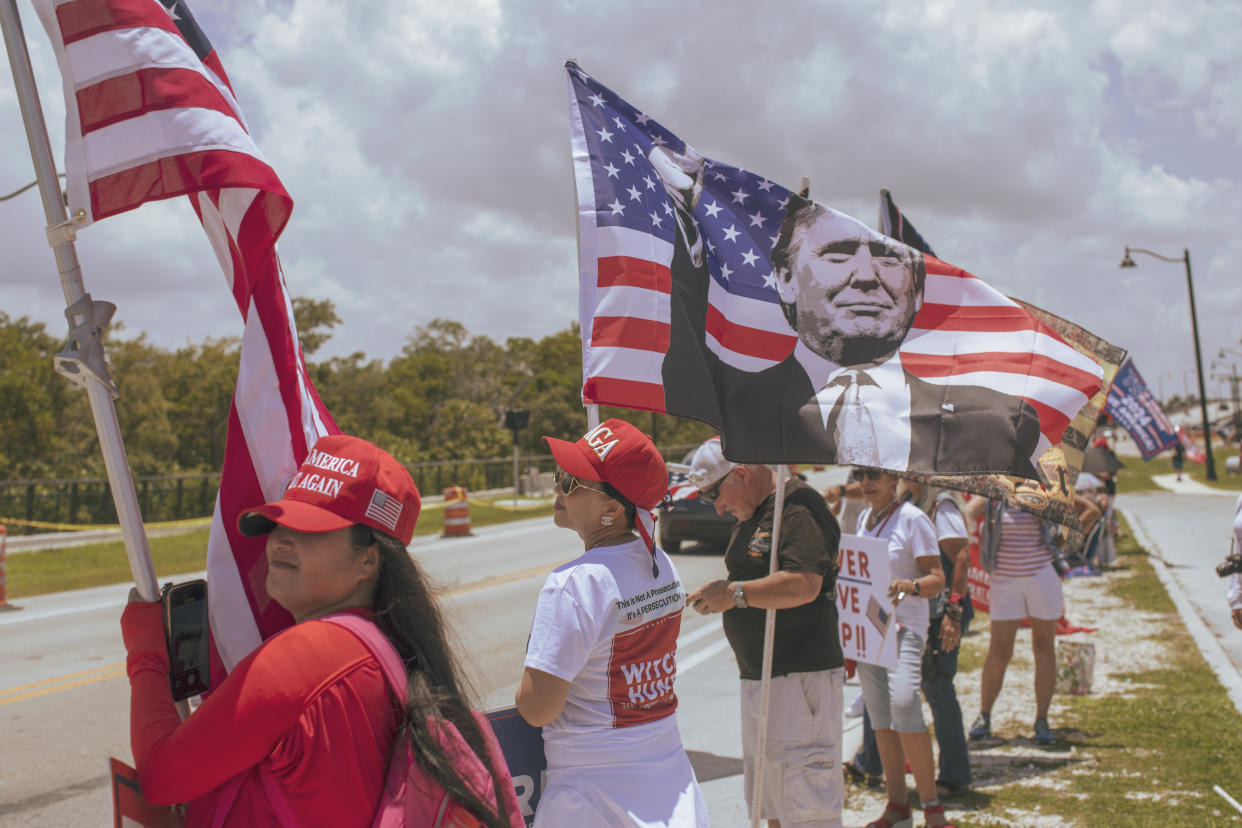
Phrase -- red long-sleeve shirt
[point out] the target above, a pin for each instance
(310, 705)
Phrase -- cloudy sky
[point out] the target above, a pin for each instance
(425, 144)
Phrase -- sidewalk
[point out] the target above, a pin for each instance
(1185, 486)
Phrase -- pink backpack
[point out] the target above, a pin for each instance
(411, 798)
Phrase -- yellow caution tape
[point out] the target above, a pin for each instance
(90, 527)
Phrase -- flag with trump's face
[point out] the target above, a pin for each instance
(711, 292)
(150, 115)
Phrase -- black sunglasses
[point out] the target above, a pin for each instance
(708, 496)
(858, 475)
(568, 484)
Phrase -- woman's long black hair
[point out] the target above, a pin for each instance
(407, 612)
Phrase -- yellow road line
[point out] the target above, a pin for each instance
(111, 671)
(496, 580)
(117, 671)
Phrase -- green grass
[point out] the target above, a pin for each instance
(1136, 476)
(1174, 734)
(97, 564)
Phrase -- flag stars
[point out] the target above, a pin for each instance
(784, 204)
(756, 219)
(596, 99)
(642, 119)
(765, 185)
(739, 197)
(769, 281)
(725, 273)
(731, 233)
(629, 159)
(604, 135)
(635, 193)
(719, 176)
(658, 141)
(650, 184)
(618, 209)
(620, 123)
(668, 208)
(656, 219)
(749, 257)
(171, 9)
(712, 209)
(611, 170)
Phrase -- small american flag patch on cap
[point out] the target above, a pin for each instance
(384, 509)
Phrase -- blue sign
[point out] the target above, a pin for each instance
(1133, 406)
(522, 745)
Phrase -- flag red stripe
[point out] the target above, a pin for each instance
(270, 305)
(1051, 420)
(626, 271)
(80, 19)
(985, 319)
(937, 365)
(754, 342)
(179, 175)
(630, 332)
(644, 396)
(147, 90)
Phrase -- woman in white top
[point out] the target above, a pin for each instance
(602, 656)
(892, 696)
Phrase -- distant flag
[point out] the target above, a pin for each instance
(1135, 408)
(151, 115)
(1061, 462)
(1194, 451)
(630, 232)
(679, 485)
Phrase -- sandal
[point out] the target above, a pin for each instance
(903, 817)
(938, 810)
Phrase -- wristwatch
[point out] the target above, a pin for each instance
(739, 597)
(916, 585)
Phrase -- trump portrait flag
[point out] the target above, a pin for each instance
(710, 292)
(150, 115)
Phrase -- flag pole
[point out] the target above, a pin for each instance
(82, 360)
(769, 634)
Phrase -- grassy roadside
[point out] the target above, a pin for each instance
(97, 564)
(1144, 751)
(1136, 476)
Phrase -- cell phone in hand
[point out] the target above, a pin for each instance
(186, 632)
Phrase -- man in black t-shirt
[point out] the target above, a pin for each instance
(802, 782)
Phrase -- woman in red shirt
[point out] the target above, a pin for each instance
(302, 729)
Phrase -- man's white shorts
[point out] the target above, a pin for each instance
(802, 780)
(1027, 596)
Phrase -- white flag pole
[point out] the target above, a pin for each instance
(82, 360)
(769, 634)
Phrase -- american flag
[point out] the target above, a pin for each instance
(966, 333)
(151, 115)
(679, 485)
(384, 508)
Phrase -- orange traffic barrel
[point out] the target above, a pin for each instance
(456, 513)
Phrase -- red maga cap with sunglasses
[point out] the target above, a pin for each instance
(620, 455)
(344, 480)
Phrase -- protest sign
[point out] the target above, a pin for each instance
(129, 808)
(864, 611)
(978, 579)
(522, 745)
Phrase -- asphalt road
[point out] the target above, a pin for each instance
(1191, 534)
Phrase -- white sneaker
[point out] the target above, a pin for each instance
(856, 708)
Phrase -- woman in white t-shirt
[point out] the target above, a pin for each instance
(602, 656)
(892, 696)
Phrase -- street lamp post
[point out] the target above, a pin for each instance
(1194, 326)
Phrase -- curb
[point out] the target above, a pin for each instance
(1208, 646)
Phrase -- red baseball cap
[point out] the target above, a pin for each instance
(344, 480)
(620, 455)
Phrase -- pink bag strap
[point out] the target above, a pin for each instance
(379, 645)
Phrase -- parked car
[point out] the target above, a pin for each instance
(690, 519)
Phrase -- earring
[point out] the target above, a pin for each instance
(606, 520)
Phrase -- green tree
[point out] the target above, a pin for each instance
(311, 316)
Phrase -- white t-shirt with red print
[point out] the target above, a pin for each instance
(609, 628)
